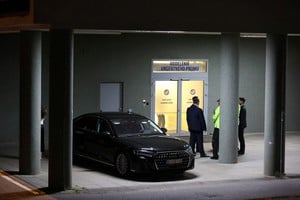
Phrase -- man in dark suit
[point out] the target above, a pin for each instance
(196, 125)
(242, 125)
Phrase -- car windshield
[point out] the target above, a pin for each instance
(135, 126)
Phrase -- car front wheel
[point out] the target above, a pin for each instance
(122, 164)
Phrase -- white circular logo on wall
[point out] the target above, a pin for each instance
(166, 92)
(192, 91)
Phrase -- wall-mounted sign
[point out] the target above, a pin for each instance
(179, 66)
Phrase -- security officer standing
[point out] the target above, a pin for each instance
(242, 125)
(215, 137)
(196, 125)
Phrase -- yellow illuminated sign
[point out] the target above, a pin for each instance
(179, 66)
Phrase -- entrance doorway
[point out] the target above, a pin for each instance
(111, 97)
(172, 94)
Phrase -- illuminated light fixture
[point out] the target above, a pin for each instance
(253, 35)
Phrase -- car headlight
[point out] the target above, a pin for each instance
(144, 153)
(189, 149)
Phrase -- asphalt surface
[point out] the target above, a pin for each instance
(208, 180)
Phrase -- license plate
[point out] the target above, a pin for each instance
(174, 161)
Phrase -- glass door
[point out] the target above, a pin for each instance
(166, 95)
(190, 89)
(172, 98)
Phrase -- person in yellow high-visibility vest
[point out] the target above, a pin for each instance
(215, 138)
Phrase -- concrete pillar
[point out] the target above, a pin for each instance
(275, 105)
(30, 102)
(229, 97)
(60, 109)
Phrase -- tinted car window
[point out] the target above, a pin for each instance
(104, 126)
(133, 126)
(88, 124)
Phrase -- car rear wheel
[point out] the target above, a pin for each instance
(122, 164)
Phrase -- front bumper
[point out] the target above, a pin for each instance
(172, 161)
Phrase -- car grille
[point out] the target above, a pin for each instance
(172, 160)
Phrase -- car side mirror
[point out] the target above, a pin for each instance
(164, 130)
(107, 133)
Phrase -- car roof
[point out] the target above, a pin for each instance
(112, 115)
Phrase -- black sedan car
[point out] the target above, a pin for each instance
(130, 143)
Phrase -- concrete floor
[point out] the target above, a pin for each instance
(95, 179)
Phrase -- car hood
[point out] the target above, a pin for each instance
(158, 143)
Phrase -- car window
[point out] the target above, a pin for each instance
(104, 126)
(88, 124)
(135, 126)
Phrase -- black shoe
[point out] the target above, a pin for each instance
(204, 156)
(214, 157)
(241, 153)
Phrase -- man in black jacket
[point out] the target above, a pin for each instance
(242, 125)
(196, 125)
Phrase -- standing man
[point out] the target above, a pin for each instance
(215, 137)
(196, 125)
(242, 125)
(43, 117)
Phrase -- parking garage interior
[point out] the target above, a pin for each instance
(60, 60)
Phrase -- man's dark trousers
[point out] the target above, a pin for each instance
(241, 140)
(215, 142)
(197, 138)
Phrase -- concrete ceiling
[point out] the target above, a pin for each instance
(251, 16)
